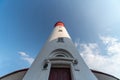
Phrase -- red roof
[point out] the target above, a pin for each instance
(59, 23)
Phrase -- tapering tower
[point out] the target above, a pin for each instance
(59, 59)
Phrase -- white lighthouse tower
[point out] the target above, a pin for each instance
(59, 59)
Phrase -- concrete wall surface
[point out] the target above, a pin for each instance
(18, 75)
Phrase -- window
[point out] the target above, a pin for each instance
(60, 55)
(60, 39)
(60, 31)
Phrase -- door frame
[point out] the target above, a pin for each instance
(62, 64)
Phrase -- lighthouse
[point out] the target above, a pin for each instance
(59, 59)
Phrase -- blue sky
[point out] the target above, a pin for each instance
(93, 25)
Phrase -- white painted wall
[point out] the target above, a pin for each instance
(79, 71)
(36, 71)
(20, 74)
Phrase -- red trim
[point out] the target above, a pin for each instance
(59, 23)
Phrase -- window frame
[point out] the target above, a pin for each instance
(60, 39)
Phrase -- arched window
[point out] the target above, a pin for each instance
(61, 53)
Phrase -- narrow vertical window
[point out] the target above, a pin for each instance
(60, 39)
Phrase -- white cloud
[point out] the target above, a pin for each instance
(26, 57)
(109, 62)
(113, 44)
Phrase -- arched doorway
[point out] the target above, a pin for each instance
(61, 65)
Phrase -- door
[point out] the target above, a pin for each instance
(60, 74)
